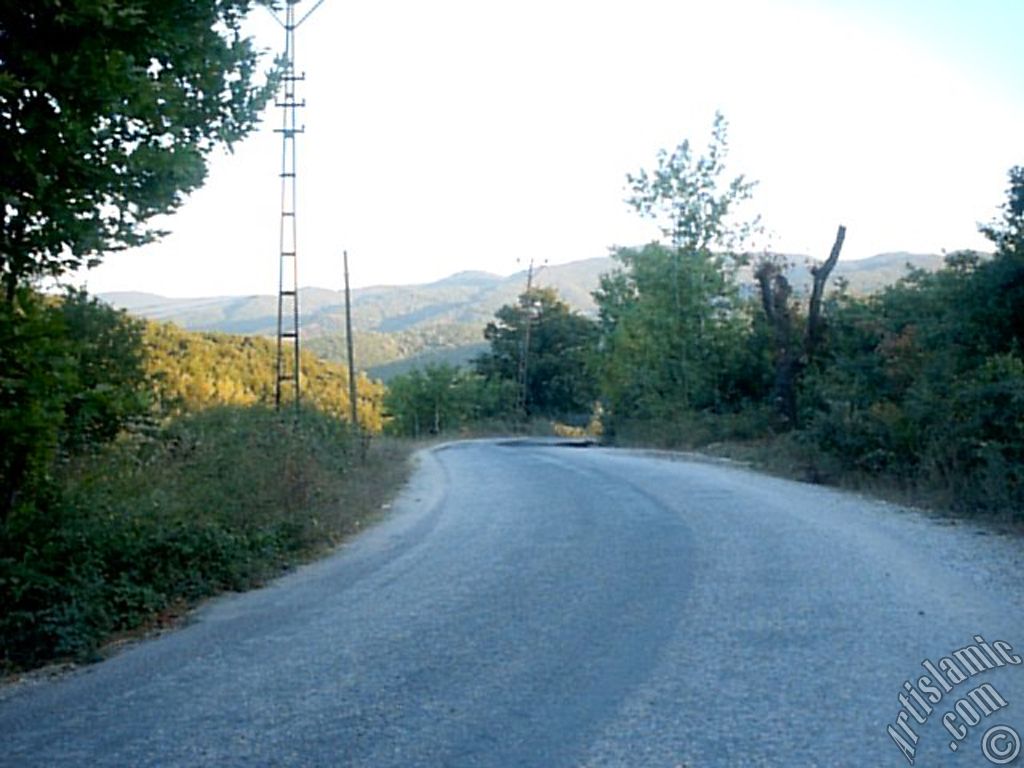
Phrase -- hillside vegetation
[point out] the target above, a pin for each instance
(190, 372)
(401, 327)
(143, 467)
(915, 389)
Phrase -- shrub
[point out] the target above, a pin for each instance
(215, 500)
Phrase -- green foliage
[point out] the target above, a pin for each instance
(193, 371)
(75, 372)
(110, 378)
(71, 377)
(673, 326)
(385, 354)
(1008, 234)
(920, 384)
(442, 398)
(215, 500)
(107, 113)
(423, 401)
(130, 486)
(925, 381)
(455, 356)
(688, 199)
(35, 373)
(669, 353)
(558, 354)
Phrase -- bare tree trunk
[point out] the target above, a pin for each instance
(812, 338)
(775, 300)
(792, 353)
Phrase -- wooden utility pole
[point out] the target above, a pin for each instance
(353, 403)
(524, 352)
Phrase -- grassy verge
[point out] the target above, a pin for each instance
(141, 529)
(794, 456)
(786, 456)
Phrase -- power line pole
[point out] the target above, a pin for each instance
(353, 403)
(288, 267)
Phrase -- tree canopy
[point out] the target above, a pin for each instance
(108, 111)
(559, 379)
(672, 332)
(442, 398)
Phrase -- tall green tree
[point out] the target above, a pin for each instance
(553, 344)
(671, 317)
(1000, 289)
(108, 111)
(692, 203)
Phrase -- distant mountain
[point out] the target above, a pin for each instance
(868, 275)
(463, 298)
(402, 325)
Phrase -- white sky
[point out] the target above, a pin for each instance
(464, 134)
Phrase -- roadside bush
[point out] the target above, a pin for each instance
(216, 500)
(442, 399)
(71, 376)
(697, 429)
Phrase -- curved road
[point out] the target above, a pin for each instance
(533, 604)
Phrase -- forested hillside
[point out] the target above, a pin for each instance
(194, 371)
(401, 327)
(143, 467)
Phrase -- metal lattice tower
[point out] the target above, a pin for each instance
(288, 276)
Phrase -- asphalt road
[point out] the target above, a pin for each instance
(540, 605)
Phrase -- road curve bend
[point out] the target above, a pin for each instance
(530, 603)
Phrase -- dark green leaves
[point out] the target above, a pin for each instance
(108, 109)
(559, 373)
